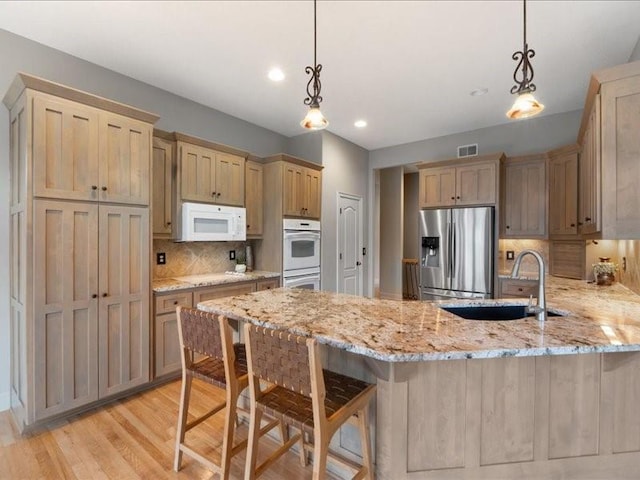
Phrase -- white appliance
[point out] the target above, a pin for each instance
(307, 278)
(301, 253)
(202, 222)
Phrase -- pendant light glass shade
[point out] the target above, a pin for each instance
(525, 106)
(314, 120)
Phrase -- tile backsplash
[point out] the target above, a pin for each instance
(629, 249)
(193, 258)
(529, 266)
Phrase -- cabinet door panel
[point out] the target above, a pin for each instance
(590, 160)
(65, 310)
(526, 199)
(229, 179)
(65, 149)
(620, 151)
(124, 298)
(198, 172)
(163, 171)
(293, 189)
(125, 149)
(167, 344)
(437, 187)
(313, 190)
(254, 197)
(563, 195)
(476, 184)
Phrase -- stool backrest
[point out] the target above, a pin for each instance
(280, 358)
(200, 332)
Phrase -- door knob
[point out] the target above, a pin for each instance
(358, 263)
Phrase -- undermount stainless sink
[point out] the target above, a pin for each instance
(495, 312)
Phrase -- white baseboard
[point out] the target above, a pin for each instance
(5, 401)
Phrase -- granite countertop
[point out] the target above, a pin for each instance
(599, 319)
(160, 285)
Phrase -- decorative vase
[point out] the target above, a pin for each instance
(605, 278)
(241, 268)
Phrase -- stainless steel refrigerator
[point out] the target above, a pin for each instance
(456, 253)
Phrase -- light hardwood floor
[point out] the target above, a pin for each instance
(129, 439)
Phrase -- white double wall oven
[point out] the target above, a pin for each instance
(301, 253)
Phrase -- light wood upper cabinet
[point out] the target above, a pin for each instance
(620, 130)
(459, 183)
(589, 171)
(123, 317)
(124, 159)
(210, 176)
(563, 192)
(302, 191)
(294, 178)
(437, 187)
(65, 305)
(163, 195)
(65, 149)
(254, 174)
(313, 191)
(525, 197)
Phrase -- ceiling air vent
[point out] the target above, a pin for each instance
(468, 150)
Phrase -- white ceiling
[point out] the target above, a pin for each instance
(405, 67)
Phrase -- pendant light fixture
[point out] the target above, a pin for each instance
(314, 119)
(525, 105)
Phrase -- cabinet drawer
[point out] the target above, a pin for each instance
(518, 288)
(267, 284)
(210, 293)
(168, 303)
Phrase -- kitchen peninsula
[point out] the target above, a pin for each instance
(479, 399)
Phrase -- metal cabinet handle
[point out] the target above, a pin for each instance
(587, 219)
(453, 198)
(94, 187)
(168, 224)
(175, 302)
(458, 198)
(105, 294)
(519, 289)
(358, 263)
(95, 295)
(104, 189)
(508, 227)
(218, 194)
(213, 194)
(573, 224)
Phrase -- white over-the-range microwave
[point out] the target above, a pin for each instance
(203, 222)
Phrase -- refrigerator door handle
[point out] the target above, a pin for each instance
(453, 250)
(449, 244)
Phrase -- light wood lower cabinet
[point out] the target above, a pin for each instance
(166, 343)
(573, 416)
(123, 326)
(91, 303)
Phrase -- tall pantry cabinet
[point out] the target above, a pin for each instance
(79, 247)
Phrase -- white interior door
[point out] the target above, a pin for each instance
(350, 268)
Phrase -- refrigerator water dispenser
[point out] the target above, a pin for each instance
(430, 251)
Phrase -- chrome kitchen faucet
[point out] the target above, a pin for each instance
(541, 309)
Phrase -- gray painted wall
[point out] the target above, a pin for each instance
(345, 171)
(391, 228)
(307, 146)
(635, 55)
(19, 54)
(517, 138)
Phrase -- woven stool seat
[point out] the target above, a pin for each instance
(211, 370)
(297, 410)
(287, 382)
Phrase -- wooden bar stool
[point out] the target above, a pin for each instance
(224, 366)
(302, 395)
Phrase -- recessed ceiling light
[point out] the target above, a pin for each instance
(276, 74)
(360, 123)
(478, 92)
